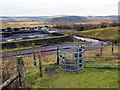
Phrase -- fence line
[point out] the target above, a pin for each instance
(49, 50)
(67, 48)
(20, 64)
(20, 74)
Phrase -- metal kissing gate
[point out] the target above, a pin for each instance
(71, 60)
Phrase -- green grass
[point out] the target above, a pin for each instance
(110, 33)
(90, 78)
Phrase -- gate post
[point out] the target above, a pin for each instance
(81, 57)
(21, 71)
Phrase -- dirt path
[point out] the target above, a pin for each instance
(51, 70)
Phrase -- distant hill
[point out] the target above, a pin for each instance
(111, 16)
(23, 16)
(59, 18)
(66, 19)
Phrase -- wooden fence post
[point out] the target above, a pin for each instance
(40, 63)
(112, 48)
(19, 51)
(21, 71)
(58, 47)
(34, 58)
(101, 49)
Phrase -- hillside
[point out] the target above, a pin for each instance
(34, 21)
(110, 33)
(60, 18)
(67, 19)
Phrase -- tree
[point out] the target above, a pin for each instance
(8, 29)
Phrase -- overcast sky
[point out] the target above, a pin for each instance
(58, 7)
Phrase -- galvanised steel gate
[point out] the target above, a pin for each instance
(74, 59)
(71, 60)
(102, 55)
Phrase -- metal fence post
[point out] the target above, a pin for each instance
(78, 56)
(40, 63)
(34, 58)
(58, 47)
(21, 71)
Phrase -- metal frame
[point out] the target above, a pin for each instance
(74, 65)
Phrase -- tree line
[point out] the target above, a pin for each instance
(82, 27)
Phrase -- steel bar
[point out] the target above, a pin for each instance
(99, 51)
(102, 64)
(99, 61)
(101, 57)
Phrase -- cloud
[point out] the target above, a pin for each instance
(54, 7)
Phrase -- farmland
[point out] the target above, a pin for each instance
(90, 77)
(26, 21)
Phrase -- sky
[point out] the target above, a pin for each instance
(58, 7)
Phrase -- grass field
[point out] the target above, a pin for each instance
(89, 78)
(110, 33)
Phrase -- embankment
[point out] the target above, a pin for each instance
(57, 39)
(104, 34)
